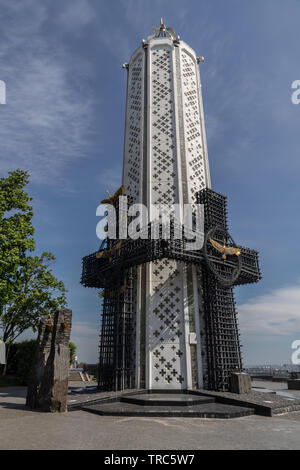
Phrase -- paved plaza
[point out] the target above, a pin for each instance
(24, 429)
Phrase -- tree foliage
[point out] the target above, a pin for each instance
(20, 359)
(72, 347)
(21, 356)
(35, 292)
(28, 289)
(16, 229)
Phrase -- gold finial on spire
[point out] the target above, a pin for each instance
(163, 31)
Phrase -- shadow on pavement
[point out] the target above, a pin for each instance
(17, 392)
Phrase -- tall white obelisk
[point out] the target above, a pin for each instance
(165, 161)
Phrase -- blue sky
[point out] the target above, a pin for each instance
(64, 117)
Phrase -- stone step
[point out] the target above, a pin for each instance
(75, 376)
(207, 410)
(167, 399)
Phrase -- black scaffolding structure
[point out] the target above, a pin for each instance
(113, 268)
(116, 364)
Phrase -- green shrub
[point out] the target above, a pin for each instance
(20, 359)
(72, 352)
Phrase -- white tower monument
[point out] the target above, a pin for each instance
(165, 162)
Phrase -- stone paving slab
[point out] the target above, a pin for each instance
(275, 386)
(166, 399)
(24, 429)
(207, 410)
(76, 400)
(264, 403)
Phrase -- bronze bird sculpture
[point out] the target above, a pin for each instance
(225, 250)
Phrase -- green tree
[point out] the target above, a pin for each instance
(20, 359)
(72, 347)
(28, 289)
(35, 292)
(21, 356)
(16, 229)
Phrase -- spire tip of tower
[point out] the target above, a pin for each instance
(163, 31)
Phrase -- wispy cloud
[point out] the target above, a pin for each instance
(121, 38)
(77, 14)
(47, 119)
(276, 313)
(111, 178)
(85, 335)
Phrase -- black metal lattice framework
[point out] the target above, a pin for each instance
(116, 349)
(116, 364)
(115, 271)
(221, 331)
(222, 339)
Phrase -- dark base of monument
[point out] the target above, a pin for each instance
(162, 404)
(166, 399)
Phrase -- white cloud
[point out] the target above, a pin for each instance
(138, 20)
(77, 14)
(85, 335)
(276, 313)
(47, 119)
(111, 178)
(84, 329)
